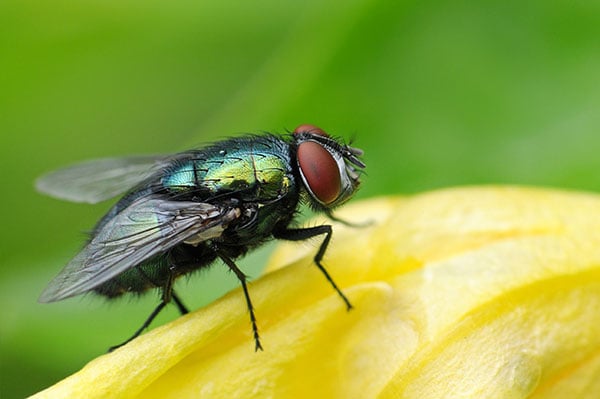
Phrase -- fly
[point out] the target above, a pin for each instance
(182, 212)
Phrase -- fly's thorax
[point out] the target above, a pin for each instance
(328, 168)
(253, 168)
(258, 220)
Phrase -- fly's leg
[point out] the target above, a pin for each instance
(310, 232)
(167, 295)
(242, 277)
(142, 328)
(331, 216)
(170, 295)
(180, 306)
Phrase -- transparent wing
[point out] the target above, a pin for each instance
(149, 226)
(100, 179)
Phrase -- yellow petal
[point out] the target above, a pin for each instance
(489, 292)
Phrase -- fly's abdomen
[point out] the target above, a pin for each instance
(150, 274)
(156, 272)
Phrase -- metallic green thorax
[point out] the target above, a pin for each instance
(256, 170)
(260, 168)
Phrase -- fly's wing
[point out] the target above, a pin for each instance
(147, 227)
(100, 179)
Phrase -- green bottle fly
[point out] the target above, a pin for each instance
(182, 212)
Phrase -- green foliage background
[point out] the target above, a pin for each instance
(437, 93)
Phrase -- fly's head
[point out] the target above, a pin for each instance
(330, 170)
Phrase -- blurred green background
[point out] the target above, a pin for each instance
(437, 93)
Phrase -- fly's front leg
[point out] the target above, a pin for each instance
(331, 216)
(310, 232)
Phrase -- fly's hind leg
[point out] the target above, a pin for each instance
(167, 295)
(142, 328)
(180, 306)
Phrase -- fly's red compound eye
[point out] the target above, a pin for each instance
(320, 171)
(307, 128)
